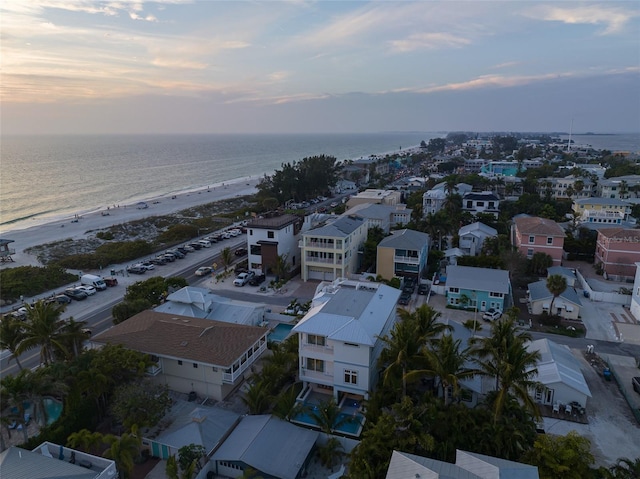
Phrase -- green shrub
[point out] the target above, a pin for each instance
(104, 235)
(108, 253)
(32, 280)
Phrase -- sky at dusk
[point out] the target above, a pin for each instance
(76, 66)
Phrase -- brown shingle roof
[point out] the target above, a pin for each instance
(532, 225)
(626, 234)
(193, 339)
(275, 222)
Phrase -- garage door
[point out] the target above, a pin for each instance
(316, 274)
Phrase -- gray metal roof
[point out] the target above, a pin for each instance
(561, 270)
(489, 467)
(558, 364)
(340, 228)
(477, 226)
(404, 466)
(269, 445)
(538, 291)
(407, 239)
(478, 279)
(601, 201)
(16, 463)
(352, 315)
(480, 196)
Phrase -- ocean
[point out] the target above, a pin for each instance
(45, 178)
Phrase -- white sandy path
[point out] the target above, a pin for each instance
(63, 229)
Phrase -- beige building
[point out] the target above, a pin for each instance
(191, 354)
(383, 197)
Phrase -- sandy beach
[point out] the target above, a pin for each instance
(69, 228)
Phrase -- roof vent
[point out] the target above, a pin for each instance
(184, 343)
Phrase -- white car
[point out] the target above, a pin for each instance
(90, 290)
(492, 314)
(203, 271)
(242, 279)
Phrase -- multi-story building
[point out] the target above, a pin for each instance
(478, 288)
(434, 199)
(635, 296)
(383, 197)
(617, 252)
(472, 237)
(611, 211)
(330, 251)
(566, 188)
(621, 187)
(382, 216)
(340, 337)
(268, 238)
(191, 354)
(481, 202)
(403, 254)
(530, 235)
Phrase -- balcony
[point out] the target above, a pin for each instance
(332, 261)
(406, 259)
(310, 243)
(235, 372)
(154, 370)
(317, 349)
(311, 375)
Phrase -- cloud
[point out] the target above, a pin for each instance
(612, 18)
(422, 41)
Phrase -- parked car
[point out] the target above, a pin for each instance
(75, 293)
(204, 270)
(243, 278)
(211, 239)
(188, 248)
(160, 260)
(148, 264)
(205, 243)
(404, 298)
(60, 299)
(90, 290)
(183, 250)
(257, 280)
(240, 252)
(111, 282)
(136, 270)
(175, 253)
(491, 314)
(196, 245)
(635, 382)
(423, 289)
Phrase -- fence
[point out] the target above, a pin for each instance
(602, 296)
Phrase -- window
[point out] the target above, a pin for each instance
(350, 376)
(315, 365)
(549, 240)
(495, 295)
(271, 234)
(195, 365)
(530, 253)
(316, 340)
(454, 290)
(532, 239)
(250, 232)
(352, 344)
(179, 363)
(480, 204)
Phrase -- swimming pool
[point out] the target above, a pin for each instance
(279, 333)
(351, 426)
(51, 405)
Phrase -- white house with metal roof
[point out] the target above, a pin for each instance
(478, 288)
(472, 237)
(269, 446)
(567, 305)
(468, 465)
(330, 251)
(203, 303)
(339, 338)
(559, 372)
(382, 216)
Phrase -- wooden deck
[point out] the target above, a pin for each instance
(547, 411)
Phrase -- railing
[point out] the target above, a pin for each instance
(406, 259)
(320, 244)
(312, 259)
(7, 252)
(319, 375)
(154, 370)
(232, 376)
(313, 347)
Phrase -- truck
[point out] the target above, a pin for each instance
(93, 280)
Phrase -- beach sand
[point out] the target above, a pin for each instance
(67, 228)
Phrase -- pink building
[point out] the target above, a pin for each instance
(531, 235)
(617, 250)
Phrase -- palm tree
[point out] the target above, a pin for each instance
(258, 397)
(11, 335)
(623, 190)
(226, 257)
(556, 284)
(327, 415)
(625, 468)
(44, 328)
(402, 346)
(286, 405)
(503, 355)
(123, 450)
(16, 391)
(74, 334)
(427, 322)
(281, 267)
(85, 440)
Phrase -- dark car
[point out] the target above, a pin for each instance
(159, 261)
(257, 280)
(240, 252)
(76, 294)
(136, 270)
(423, 289)
(195, 245)
(635, 382)
(60, 299)
(404, 299)
(182, 250)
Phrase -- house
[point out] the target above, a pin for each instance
(558, 372)
(567, 305)
(566, 188)
(340, 337)
(358, 173)
(434, 199)
(273, 237)
(266, 446)
(478, 288)
(382, 216)
(403, 254)
(203, 303)
(191, 354)
(634, 308)
(330, 251)
(472, 237)
(569, 274)
(50, 460)
(617, 251)
(451, 255)
(621, 187)
(384, 197)
(189, 423)
(468, 465)
(344, 185)
(481, 202)
(611, 211)
(531, 234)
